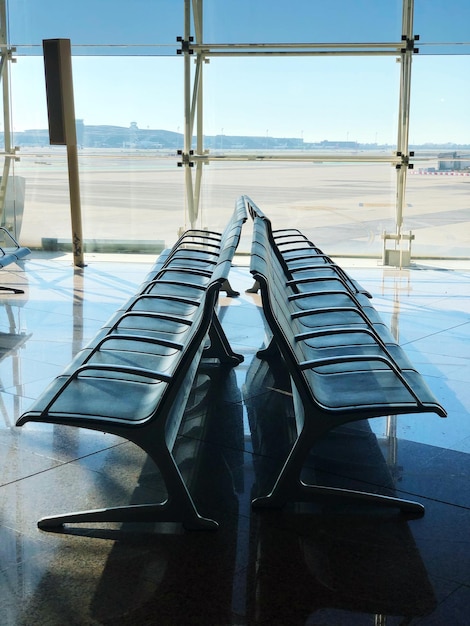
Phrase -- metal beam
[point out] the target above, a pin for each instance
(10, 152)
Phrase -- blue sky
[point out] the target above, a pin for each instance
(328, 98)
(149, 21)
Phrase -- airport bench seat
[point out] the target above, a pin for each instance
(345, 368)
(134, 378)
(200, 249)
(301, 259)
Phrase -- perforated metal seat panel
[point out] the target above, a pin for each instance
(132, 355)
(117, 398)
(367, 392)
(133, 379)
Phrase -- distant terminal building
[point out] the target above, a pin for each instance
(452, 161)
(341, 145)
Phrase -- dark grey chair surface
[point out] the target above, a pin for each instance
(343, 362)
(134, 378)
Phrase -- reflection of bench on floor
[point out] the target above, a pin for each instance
(11, 252)
(337, 556)
(10, 344)
(214, 469)
(133, 380)
(343, 362)
(338, 564)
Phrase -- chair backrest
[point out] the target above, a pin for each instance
(354, 383)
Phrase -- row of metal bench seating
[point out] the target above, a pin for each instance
(343, 362)
(134, 378)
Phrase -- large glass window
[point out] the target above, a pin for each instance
(311, 133)
(442, 26)
(306, 100)
(105, 27)
(343, 207)
(128, 130)
(438, 188)
(302, 21)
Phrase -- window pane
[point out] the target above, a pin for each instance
(105, 23)
(438, 187)
(439, 213)
(302, 21)
(440, 93)
(314, 99)
(153, 25)
(128, 115)
(344, 208)
(442, 20)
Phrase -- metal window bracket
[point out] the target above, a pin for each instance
(185, 45)
(185, 158)
(410, 44)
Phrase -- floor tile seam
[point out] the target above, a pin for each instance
(12, 390)
(455, 505)
(446, 377)
(435, 334)
(234, 516)
(233, 403)
(61, 464)
(434, 453)
(70, 293)
(235, 326)
(367, 483)
(397, 491)
(30, 306)
(35, 561)
(266, 392)
(454, 447)
(437, 376)
(459, 585)
(46, 380)
(37, 359)
(58, 363)
(449, 360)
(218, 444)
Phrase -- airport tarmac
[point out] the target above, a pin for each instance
(343, 207)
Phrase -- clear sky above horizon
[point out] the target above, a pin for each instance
(341, 98)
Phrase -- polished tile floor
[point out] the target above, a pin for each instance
(315, 564)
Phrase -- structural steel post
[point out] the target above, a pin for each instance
(404, 108)
(188, 127)
(193, 100)
(6, 59)
(62, 128)
(198, 101)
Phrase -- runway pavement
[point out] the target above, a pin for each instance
(343, 207)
